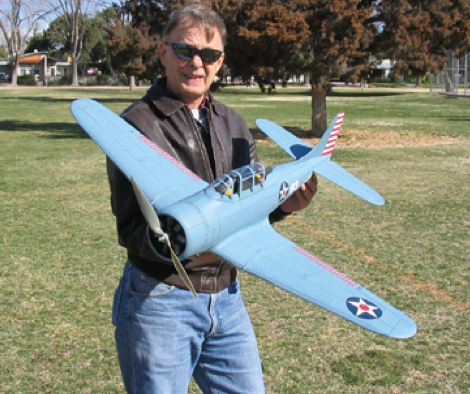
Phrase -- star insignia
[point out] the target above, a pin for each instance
(363, 309)
(283, 191)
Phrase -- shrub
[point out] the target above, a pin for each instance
(103, 79)
(26, 80)
(381, 80)
(66, 80)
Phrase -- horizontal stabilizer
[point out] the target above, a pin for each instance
(337, 174)
(294, 146)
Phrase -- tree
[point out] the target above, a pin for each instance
(40, 41)
(417, 34)
(18, 19)
(408, 38)
(270, 34)
(3, 52)
(75, 14)
(329, 38)
(341, 33)
(151, 17)
(133, 36)
(127, 47)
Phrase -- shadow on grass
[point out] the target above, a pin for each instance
(129, 100)
(58, 130)
(257, 92)
(308, 92)
(297, 131)
(364, 94)
(457, 119)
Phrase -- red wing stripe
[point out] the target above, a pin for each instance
(324, 265)
(170, 158)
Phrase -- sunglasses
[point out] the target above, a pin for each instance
(187, 52)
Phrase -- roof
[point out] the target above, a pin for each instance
(36, 58)
(32, 58)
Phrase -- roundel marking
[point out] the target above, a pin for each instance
(363, 308)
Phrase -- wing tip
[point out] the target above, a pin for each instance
(379, 200)
(406, 328)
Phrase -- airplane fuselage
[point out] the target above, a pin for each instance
(209, 216)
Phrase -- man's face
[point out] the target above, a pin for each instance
(190, 79)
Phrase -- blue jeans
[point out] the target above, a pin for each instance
(164, 336)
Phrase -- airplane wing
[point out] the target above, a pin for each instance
(163, 179)
(261, 251)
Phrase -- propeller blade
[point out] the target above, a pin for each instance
(147, 210)
(181, 271)
(154, 223)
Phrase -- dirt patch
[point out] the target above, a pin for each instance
(381, 139)
(390, 139)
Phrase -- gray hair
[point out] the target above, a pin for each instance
(200, 15)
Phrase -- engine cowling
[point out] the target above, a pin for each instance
(191, 226)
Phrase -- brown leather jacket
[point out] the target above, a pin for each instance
(169, 123)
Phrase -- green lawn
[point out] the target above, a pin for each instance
(60, 262)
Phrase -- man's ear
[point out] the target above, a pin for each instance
(162, 51)
(220, 62)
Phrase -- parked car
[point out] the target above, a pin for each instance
(3, 78)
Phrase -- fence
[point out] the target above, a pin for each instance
(454, 78)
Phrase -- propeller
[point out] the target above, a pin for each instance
(154, 223)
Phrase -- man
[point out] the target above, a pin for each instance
(164, 335)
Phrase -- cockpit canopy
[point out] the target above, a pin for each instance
(239, 180)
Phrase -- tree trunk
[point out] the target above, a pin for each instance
(307, 80)
(448, 83)
(74, 71)
(418, 82)
(131, 82)
(363, 83)
(318, 110)
(15, 70)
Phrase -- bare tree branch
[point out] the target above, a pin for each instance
(18, 18)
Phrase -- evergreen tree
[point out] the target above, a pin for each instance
(40, 41)
(131, 49)
(270, 33)
(275, 39)
(417, 34)
(341, 33)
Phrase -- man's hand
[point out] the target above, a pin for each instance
(302, 197)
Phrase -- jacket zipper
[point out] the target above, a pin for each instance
(202, 145)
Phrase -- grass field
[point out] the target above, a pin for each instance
(60, 262)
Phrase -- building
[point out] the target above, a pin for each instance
(39, 64)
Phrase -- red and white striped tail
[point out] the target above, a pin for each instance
(330, 145)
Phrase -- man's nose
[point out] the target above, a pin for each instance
(197, 61)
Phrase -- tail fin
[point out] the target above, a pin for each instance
(330, 145)
(327, 143)
(297, 148)
(334, 172)
(320, 157)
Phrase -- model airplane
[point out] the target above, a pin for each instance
(229, 217)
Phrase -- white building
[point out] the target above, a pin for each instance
(40, 65)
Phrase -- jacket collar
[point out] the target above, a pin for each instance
(167, 103)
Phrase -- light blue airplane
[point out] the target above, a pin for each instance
(229, 217)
